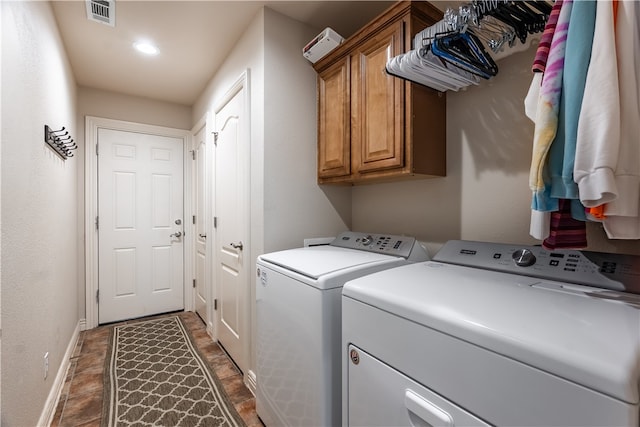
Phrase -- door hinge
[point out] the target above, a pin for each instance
(194, 283)
(193, 154)
(215, 222)
(96, 149)
(215, 138)
(194, 219)
(98, 296)
(97, 222)
(215, 304)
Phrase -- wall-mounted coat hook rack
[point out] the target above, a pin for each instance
(60, 141)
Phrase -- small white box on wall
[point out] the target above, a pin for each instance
(322, 44)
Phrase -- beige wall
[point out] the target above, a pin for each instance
(39, 210)
(485, 195)
(295, 207)
(111, 105)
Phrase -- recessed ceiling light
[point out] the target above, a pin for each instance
(146, 48)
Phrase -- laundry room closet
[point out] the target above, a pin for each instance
(485, 194)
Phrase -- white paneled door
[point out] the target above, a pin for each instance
(200, 191)
(140, 234)
(231, 257)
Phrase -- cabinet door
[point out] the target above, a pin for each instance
(377, 104)
(334, 126)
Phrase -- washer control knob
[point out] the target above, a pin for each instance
(366, 241)
(524, 258)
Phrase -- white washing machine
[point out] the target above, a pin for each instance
(298, 323)
(494, 334)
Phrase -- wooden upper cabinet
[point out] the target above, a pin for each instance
(373, 126)
(377, 132)
(334, 129)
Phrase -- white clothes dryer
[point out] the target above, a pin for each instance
(494, 334)
(299, 323)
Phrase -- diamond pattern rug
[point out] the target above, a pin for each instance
(154, 376)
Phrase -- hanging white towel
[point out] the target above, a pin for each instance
(598, 137)
(623, 214)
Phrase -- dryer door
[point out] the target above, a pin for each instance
(381, 396)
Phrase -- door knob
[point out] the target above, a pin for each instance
(177, 234)
(202, 236)
(238, 245)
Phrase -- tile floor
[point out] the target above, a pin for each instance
(81, 399)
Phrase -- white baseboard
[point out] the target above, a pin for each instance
(49, 410)
(251, 382)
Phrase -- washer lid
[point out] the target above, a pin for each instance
(586, 335)
(314, 262)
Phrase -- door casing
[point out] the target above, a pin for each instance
(92, 124)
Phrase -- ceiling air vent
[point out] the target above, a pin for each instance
(103, 11)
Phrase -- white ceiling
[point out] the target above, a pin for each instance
(194, 38)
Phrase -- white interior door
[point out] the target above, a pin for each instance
(231, 178)
(202, 288)
(140, 208)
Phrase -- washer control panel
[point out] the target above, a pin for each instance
(604, 270)
(380, 243)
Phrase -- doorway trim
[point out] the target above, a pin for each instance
(92, 125)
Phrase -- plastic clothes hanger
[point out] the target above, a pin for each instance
(456, 59)
(524, 17)
(450, 54)
(436, 68)
(533, 20)
(518, 24)
(541, 6)
(465, 50)
(429, 70)
(494, 33)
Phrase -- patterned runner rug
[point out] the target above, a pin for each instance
(155, 376)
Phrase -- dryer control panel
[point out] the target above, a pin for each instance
(603, 270)
(387, 244)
